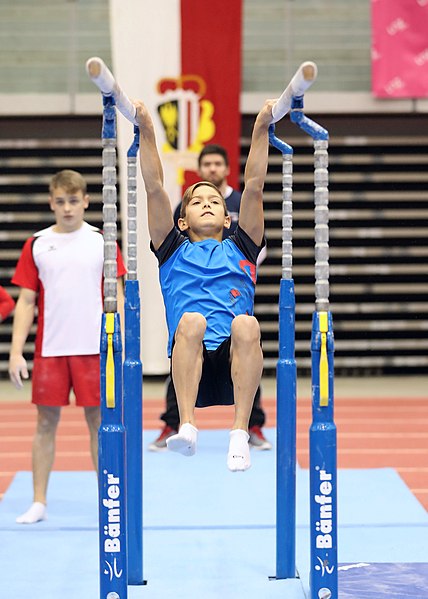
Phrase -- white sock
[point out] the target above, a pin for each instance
(238, 458)
(36, 513)
(184, 441)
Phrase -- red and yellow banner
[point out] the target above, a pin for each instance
(183, 59)
(201, 105)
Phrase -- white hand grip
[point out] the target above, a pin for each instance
(302, 80)
(108, 86)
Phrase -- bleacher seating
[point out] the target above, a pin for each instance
(26, 166)
(378, 230)
(378, 244)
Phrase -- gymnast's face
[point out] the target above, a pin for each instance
(69, 209)
(205, 215)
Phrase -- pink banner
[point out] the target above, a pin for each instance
(400, 48)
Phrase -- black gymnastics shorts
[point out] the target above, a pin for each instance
(216, 386)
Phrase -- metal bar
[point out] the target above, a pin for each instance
(109, 204)
(132, 207)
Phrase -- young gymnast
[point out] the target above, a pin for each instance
(208, 288)
(213, 166)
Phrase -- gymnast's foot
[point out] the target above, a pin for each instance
(184, 441)
(36, 513)
(238, 458)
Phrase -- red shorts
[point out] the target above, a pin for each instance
(53, 378)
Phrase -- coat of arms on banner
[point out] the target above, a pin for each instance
(187, 119)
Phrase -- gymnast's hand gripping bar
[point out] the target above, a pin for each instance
(108, 86)
(106, 83)
(301, 81)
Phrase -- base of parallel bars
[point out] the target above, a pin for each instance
(114, 595)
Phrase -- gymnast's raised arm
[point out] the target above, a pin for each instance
(160, 217)
(251, 212)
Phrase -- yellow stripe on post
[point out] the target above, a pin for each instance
(110, 397)
(323, 322)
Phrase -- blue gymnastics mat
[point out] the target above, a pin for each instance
(210, 533)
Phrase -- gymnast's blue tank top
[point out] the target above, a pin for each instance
(216, 279)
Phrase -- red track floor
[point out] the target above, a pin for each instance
(372, 433)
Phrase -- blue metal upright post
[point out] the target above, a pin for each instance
(322, 460)
(322, 433)
(286, 384)
(112, 466)
(286, 436)
(133, 382)
(111, 435)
